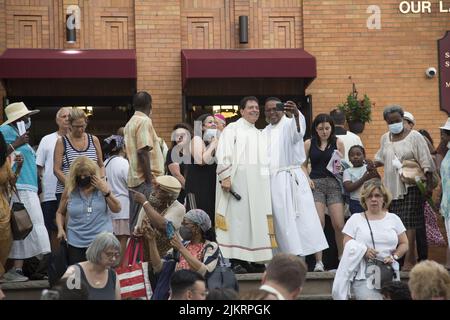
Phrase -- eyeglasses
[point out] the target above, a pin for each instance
(376, 196)
(111, 255)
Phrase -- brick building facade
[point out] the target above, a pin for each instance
(387, 64)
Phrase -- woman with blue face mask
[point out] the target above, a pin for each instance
(398, 144)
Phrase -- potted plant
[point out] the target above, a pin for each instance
(357, 112)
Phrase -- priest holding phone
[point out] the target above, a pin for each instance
(297, 226)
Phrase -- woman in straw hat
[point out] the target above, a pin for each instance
(15, 131)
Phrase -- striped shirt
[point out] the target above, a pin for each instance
(70, 154)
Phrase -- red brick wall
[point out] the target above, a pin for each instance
(388, 64)
(158, 45)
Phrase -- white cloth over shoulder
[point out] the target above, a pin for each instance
(351, 260)
(244, 227)
(297, 225)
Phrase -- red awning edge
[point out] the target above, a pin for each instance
(67, 64)
(253, 63)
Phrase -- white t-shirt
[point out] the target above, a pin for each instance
(116, 169)
(350, 139)
(385, 232)
(44, 159)
(354, 174)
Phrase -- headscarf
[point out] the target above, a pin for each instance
(119, 141)
(200, 218)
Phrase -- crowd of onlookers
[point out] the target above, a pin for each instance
(226, 195)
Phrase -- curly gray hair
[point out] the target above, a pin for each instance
(393, 108)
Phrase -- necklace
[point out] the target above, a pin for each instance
(89, 198)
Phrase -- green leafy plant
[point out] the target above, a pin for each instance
(357, 110)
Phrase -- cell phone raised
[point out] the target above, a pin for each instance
(170, 230)
(280, 106)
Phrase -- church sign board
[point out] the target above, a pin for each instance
(444, 72)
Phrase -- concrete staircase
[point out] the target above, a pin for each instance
(317, 287)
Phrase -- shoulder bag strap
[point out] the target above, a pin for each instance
(109, 160)
(371, 234)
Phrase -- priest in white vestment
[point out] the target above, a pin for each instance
(297, 225)
(244, 227)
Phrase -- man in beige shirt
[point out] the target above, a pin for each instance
(140, 137)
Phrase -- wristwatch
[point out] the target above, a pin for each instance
(395, 257)
(107, 195)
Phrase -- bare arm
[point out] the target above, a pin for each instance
(155, 258)
(57, 161)
(40, 171)
(144, 162)
(305, 164)
(153, 216)
(98, 151)
(61, 214)
(402, 245)
(341, 147)
(111, 200)
(174, 169)
(307, 148)
(23, 139)
(193, 262)
(203, 155)
(353, 186)
(208, 153)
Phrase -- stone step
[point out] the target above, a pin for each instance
(318, 286)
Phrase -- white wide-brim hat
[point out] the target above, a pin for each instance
(17, 110)
(447, 125)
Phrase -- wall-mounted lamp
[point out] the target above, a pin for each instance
(71, 32)
(243, 29)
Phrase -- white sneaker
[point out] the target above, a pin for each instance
(319, 267)
(13, 276)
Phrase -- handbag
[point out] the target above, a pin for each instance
(412, 169)
(434, 235)
(386, 272)
(21, 224)
(133, 275)
(222, 276)
(58, 264)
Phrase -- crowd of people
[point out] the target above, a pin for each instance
(226, 195)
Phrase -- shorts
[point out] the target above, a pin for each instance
(49, 209)
(327, 191)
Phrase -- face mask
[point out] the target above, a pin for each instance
(28, 124)
(396, 128)
(83, 182)
(448, 145)
(185, 233)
